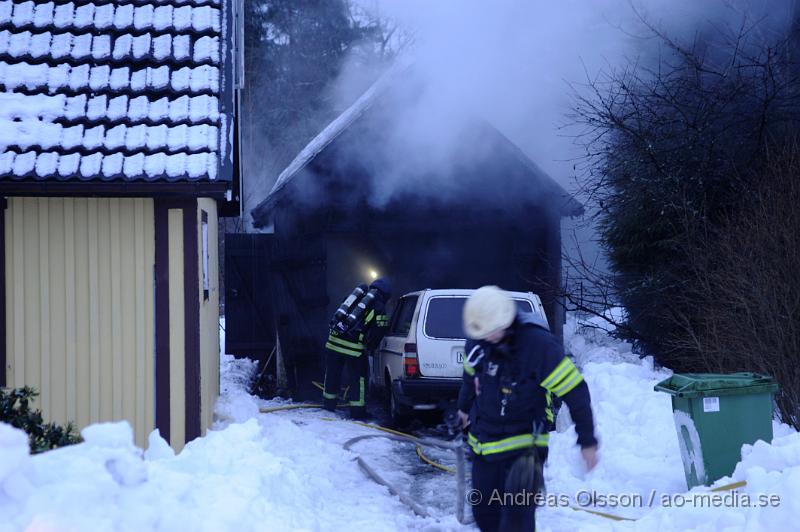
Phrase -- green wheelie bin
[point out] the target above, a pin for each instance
(715, 414)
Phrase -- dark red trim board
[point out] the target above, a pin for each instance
(3, 359)
(161, 210)
(191, 295)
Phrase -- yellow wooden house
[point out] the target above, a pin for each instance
(117, 154)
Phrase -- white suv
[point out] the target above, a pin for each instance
(418, 365)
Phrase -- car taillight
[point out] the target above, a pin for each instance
(410, 361)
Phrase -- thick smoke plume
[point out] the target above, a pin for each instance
(518, 63)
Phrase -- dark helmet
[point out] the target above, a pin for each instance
(383, 286)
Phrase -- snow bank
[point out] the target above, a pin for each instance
(235, 404)
(638, 446)
(640, 457)
(263, 474)
(769, 501)
(14, 467)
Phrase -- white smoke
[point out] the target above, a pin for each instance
(516, 63)
(519, 64)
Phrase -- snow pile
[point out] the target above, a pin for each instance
(640, 458)
(589, 339)
(14, 462)
(769, 501)
(638, 445)
(235, 404)
(260, 475)
(267, 473)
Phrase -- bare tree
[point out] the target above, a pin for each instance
(745, 280)
(673, 147)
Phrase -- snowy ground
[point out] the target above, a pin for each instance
(288, 471)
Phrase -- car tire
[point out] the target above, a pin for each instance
(398, 414)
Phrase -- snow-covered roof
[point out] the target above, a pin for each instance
(111, 90)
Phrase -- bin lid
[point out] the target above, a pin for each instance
(714, 384)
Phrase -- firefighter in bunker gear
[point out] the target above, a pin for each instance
(349, 349)
(512, 369)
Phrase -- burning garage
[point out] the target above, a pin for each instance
(366, 197)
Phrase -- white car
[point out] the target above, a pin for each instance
(419, 363)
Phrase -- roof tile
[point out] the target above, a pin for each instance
(6, 7)
(112, 165)
(110, 90)
(46, 164)
(44, 15)
(23, 14)
(24, 164)
(6, 162)
(68, 164)
(63, 15)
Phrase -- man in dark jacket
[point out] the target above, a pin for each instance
(349, 348)
(512, 369)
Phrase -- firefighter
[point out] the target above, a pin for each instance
(512, 369)
(349, 349)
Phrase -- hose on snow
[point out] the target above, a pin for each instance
(455, 446)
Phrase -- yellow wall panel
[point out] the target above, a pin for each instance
(80, 307)
(177, 332)
(70, 324)
(209, 315)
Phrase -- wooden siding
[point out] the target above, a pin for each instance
(80, 307)
(209, 315)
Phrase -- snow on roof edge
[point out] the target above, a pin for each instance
(338, 126)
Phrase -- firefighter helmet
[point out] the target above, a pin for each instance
(383, 285)
(487, 311)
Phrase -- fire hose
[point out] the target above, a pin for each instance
(455, 446)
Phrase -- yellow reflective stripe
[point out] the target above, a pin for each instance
(345, 343)
(513, 443)
(570, 383)
(557, 374)
(474, 443)
(564, 378)
(549, 408)
(360, 401)
(469, 370)
(325, 393)
(508, 444)
(343, 350)
(370, 316)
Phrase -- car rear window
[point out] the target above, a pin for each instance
(402, 317)
(443, 319)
